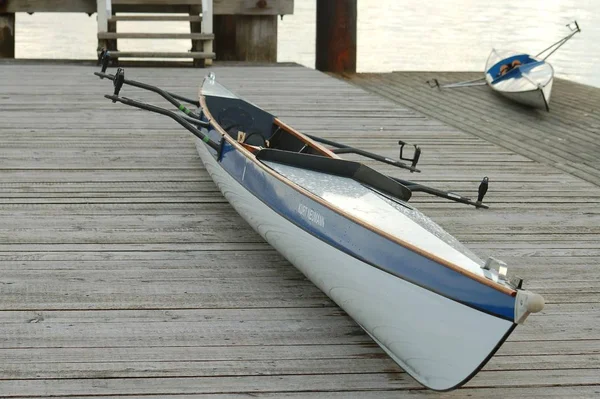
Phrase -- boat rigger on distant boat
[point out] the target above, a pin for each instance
(433, 306)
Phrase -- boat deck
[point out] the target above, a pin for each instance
(125, 273)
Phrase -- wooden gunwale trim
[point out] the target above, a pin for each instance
(303, 191)
(318, 147)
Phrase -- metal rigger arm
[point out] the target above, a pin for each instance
(192, 122)
(171, 97)
(414, 187)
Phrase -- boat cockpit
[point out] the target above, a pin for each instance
(272, 141)
(249, 124)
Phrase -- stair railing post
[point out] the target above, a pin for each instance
(207, 27)
(101, 9)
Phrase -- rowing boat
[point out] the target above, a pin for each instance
(433, 306)
(521, 77)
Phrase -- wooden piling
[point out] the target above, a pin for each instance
(196, 27)
(256, 38)
(7, 35)
(336, 36)
(246, 37)
(224, 26)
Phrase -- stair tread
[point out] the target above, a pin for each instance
(192, 18)
(156, 2)
(159, 54)
(134, 35)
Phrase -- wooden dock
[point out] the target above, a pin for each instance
(125, 273)
(565, 138)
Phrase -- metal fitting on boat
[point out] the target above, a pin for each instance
(492, 263)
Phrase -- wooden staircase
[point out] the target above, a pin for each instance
(199, 18)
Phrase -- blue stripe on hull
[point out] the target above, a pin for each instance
(362, 243)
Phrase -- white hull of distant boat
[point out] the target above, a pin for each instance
(528, 83)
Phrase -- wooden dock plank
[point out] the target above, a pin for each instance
(124, 269)
(278, 383)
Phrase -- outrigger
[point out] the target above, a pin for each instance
(433, 306)
(194, 122)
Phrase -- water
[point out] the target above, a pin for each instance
(406, 35)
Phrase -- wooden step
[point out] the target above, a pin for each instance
(157, 2)
(154, 54)
(193, 18)
(155, 6)
(152, 8)
(131, 35)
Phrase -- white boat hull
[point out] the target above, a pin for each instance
(438, 341)
(530, 83)
(539, 98)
